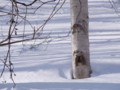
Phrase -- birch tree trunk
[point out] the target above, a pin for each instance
(80, 40)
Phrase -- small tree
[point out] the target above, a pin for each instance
(80, 40)
(19, 21)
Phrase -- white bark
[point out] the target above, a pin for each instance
(80, 41)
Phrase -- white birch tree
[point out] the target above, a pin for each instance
(80, 39)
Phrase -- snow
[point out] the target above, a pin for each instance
(48, 66)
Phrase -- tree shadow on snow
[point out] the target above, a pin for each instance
(62, 86)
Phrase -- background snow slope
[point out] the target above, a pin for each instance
(48, 67)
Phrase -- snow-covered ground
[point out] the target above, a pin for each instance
(48, 66)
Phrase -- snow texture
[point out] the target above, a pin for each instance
(48, 67)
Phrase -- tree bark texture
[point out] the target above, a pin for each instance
(80, 39)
